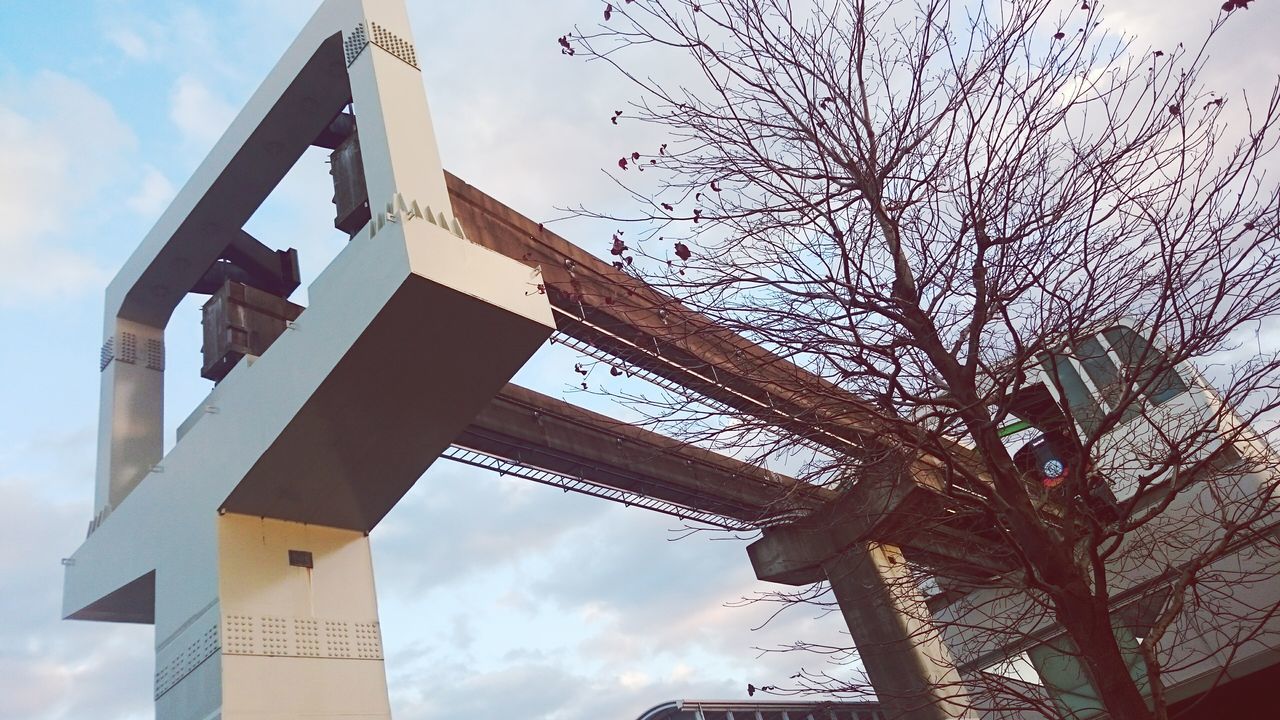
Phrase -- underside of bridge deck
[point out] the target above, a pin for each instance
(537, 431)
(541, 438)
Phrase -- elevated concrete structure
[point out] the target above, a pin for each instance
(246, 545)
(306, 448)
(762, 710)
(538, 431)
(608, 312)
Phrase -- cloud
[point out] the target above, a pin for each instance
(547, 686)
(1239, 59)
(153, 193)
(51, 669)
(56, 460)
(457, 522)
(63, 144)
(648, 595)
(529, 690)
(530, 588)
(527, 124)
(177, 35)
(200, 115)
(130, 43)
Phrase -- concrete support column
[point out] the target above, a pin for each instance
(905, 659)
(131, 410)
(909, 666)
(397, 142)
(293, 630)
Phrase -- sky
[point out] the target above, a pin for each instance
(498, 597)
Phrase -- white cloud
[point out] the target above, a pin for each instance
(153, 194)
(130, 43)
(180, 35)
(517, 519)
(590, 598)
(51, 669)
(200, 115)
(63, 143)
(634, 680)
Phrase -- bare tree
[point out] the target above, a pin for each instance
(968, 215)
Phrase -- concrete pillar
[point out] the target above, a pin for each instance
(909, 667)
(131, 410)
(905, 659)
(397, 143)
(292, 631)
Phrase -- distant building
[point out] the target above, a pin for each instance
(762, 710)
(1229, 631)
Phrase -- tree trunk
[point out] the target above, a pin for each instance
(1088, 623)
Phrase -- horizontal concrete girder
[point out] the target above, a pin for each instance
(262, 144)
(805, 525)
(540, 431)
(890, 504)
(592, 296)
(645, 329)
(378, 420)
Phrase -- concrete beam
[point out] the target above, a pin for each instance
(536, 430)
(646, 329)
(893, 502)
(607, 308)
(791, 555)
(540, 431)
(905, 659)
(292, 106)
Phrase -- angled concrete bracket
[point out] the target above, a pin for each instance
(246, 545)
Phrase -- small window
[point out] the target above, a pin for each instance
(1159, 381)
(1105, 375)
(1099, 367)
(1016, 667)
(1084, 407)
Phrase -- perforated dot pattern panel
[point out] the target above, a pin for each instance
(201, 649)
(354, 43)
(123, 347)
(128, 352)
(277, 636)
(368, 641)
(394, 44)
(241, 635)
(155, 354)
(306, 637)
(358, 39)
(337, 639)
(107, 354)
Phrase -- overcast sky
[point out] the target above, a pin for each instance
(499, 598)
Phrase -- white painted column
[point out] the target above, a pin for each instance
(131, 410)
(280, 640)
(240, 631)
(397, 141)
